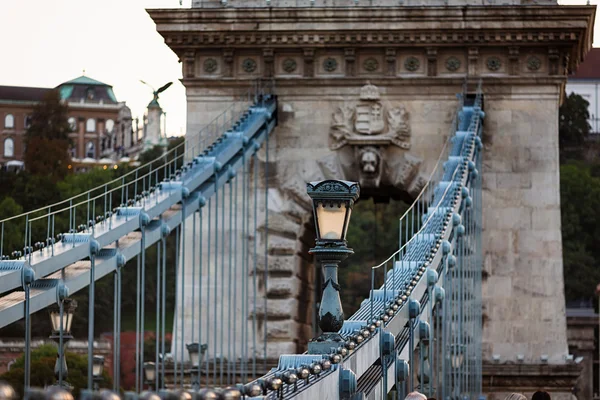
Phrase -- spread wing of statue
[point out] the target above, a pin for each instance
(159, 91)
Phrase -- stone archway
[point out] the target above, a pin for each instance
(368, 140)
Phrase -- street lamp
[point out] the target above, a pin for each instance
(149, 372)
(61, 334)
(332, 206)
(97, 369)
(196, 353)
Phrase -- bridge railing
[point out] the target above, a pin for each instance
(25, 236)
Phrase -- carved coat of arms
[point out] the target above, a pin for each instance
(368, 127)
(370, 123)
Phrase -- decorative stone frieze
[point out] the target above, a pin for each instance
(268, 62)
(493, 63)
(473, 61)
(228, 62)
(371, 64)
(189, 64)
(554, 61)
(289, 65)
(390, 59)
(412, 64)
(350, 57)
(533, 63)
(210, 65)
(309, 62)
(452, 64)
(513, 60)
(431, 61)
(249, 65)
(330, 64)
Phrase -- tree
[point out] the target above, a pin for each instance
(580, 217)
(573, 126)
(47, 138)
(42, 370)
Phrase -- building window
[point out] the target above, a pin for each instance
(73, 124)
(90, 150)
(90, 125)
(9, 121)
(90, 93)
(27, 121)
(110, 124)
(73, 152)
(9, 148)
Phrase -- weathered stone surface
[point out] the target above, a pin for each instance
(283, 287)
(278, 309)
(523, 293)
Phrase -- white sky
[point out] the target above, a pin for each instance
(47, 42)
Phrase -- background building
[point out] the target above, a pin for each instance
(585, 82)
(102, 126)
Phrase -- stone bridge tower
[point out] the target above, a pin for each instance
(367, 92)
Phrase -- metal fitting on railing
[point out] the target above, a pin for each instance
(402, 370)
(348, 383)
(414, 308)
(388, 343)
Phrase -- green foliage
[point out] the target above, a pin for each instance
(373, 234)
(151, 154)
(47, 138)
(573, 126)
(580, 214)
(12, 234)
(43, 360)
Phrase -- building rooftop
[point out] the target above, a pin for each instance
(22, 93)
(590, 67)
(83, 80)
(81, 89)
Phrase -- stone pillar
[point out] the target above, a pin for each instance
(523, 295)
(153, 128)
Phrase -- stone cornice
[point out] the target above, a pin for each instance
(566, 27)
(522, 17)
(500, 82)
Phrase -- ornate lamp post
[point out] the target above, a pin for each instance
(97, 369)
(332, 205)
(149, 373)
(61, 334)
(196, 353)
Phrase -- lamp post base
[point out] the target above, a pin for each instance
(327, 343)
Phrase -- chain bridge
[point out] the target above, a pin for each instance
(451, 107)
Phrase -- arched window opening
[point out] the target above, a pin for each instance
(9, 148)
(90, 150)
(9, 121)
(90, 125)
(110, 125)
(73, 124)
